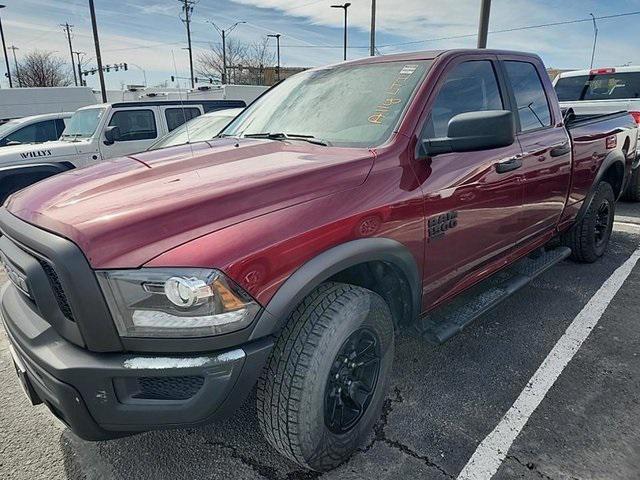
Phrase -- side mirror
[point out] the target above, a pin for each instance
(472, 131)
(111, 135)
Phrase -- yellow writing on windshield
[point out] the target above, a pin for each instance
(384, 107)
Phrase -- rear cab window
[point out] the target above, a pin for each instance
(178, 116)
(470, 86)
(599, 86)
(532, 104)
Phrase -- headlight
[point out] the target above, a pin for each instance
(185, 302)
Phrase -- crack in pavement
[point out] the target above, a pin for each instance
(530, 466)
(264, 470)
(381, 436)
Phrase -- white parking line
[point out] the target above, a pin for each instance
(490, 454)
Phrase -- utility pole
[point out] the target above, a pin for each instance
(595, 38)
(187, 8)
(67, 29)
(15, 63)
(4, 48)
(223, 34)
(372, 51)
(344, 7)
(80, 82)
(96, 40)
(483, 27)
(277, 37)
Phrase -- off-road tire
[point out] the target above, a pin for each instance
(632, 192)
(582, 236)
(291, 390)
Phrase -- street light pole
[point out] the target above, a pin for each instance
(595, 38)
(224, 58)
(223, 34)
(4, 48)
(372, 51)
(344, 7)
(96, 40)
(483, 27)
(277, 37)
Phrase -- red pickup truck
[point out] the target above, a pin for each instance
(410, 191)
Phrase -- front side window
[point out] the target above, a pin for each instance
(83, 123)
(344, 105)
(532, 103)
(469, 87)
(178, 116)
(134, 125)
(35, 133)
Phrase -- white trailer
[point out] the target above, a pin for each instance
(25, 102)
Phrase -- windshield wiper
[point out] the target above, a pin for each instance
(288, 136)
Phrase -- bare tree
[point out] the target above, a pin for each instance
(259, 55)
(245, 62)
(210, 62)
(41, 68)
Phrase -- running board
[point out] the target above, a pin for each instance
(443, 323)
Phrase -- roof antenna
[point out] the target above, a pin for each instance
(184, 113)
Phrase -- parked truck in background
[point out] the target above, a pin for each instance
(97, 133)
(155, 291)
(604, 90)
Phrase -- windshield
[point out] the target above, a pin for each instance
(8, 127)
(345, 105)
(611, 86)
(197, 130)
(83, 123)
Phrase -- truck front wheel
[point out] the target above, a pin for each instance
(589, 238)
(324, 384)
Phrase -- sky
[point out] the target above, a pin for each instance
(150, 37)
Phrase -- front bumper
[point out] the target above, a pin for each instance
(107, 395)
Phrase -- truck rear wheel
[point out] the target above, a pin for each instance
(632, 192)
(589, 238)
(325, 381)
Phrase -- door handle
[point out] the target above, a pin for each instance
(560, 150)
(509, 165)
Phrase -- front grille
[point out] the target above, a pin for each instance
(58, 292)
(168, 388)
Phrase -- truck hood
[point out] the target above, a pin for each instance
(36, 152)
(123, 213)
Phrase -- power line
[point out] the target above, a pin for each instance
(434, 39)
(514, 29)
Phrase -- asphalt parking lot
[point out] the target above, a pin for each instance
(443, 401)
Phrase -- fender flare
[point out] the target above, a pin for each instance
(330, 262)
(33, 168)
(611, 158)
(39, 171)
